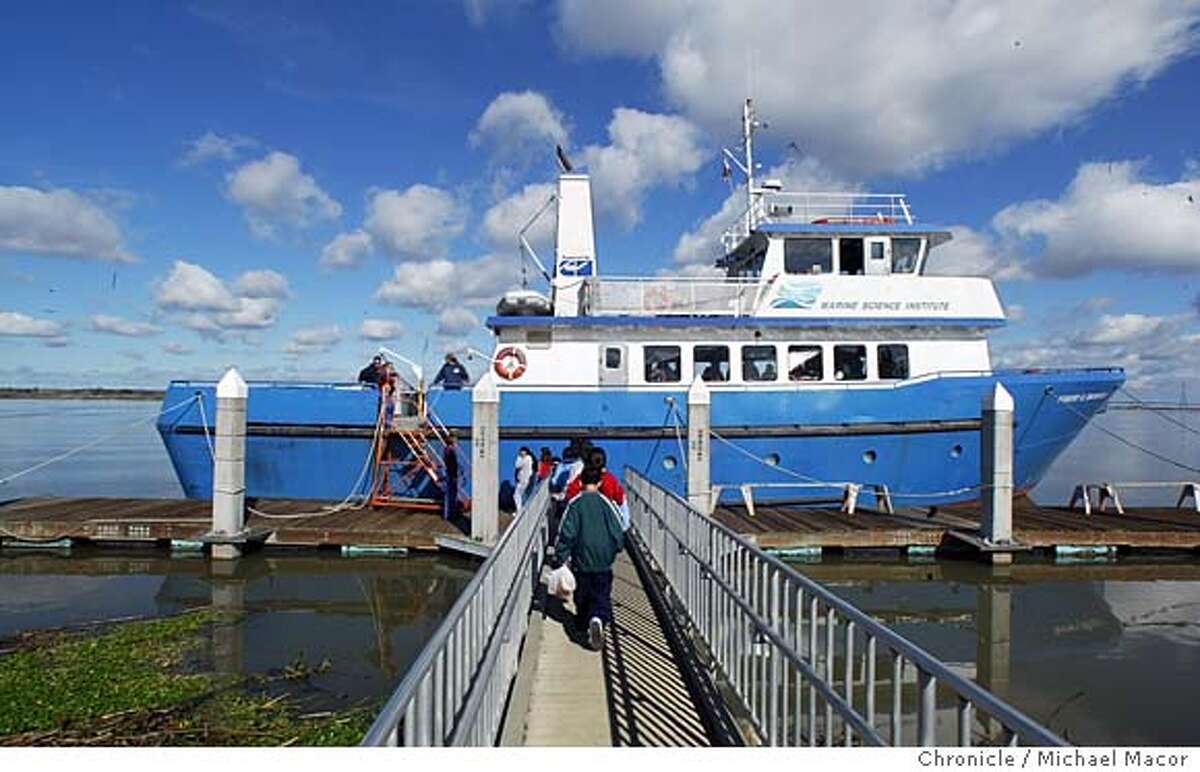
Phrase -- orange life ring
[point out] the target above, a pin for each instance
(509, 363)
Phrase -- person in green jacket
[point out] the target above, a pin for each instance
(590, 538)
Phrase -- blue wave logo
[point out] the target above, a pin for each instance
(792, 295)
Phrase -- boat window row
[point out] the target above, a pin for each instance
(869, 255)
(771, 362)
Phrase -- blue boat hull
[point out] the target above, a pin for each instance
(919, 438)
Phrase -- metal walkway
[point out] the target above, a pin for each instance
(714, 643)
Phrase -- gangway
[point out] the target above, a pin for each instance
(758, 646)
(408, 453)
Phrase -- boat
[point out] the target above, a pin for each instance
(830, 355)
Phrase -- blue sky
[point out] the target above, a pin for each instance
(286, 187)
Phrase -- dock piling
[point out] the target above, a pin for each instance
(996, 470)
(698, 471)
(229, 465)
(485, 460)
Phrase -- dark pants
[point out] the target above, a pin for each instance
(450, 500)
(593, 596)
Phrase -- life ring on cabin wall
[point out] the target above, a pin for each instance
(509, 363)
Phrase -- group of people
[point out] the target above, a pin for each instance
(380, 373)
(590, 518)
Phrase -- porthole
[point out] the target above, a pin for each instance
(869, 457)
(669, 462)
(956, 451)
(772, 459)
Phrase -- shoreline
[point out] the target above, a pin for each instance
(97, 393)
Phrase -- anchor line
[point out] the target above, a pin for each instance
(1131, 443)
(100, 440)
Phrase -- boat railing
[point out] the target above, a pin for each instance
(456, 691)
(806, 666)
(817, 208)
(671, 295)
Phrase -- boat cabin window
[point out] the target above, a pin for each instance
(850, 257)
(758, 363)
(663, 364)
(612, 358)
(808, 255)
(893, 361)
(850, 363)
(711, 363)
(905, 253)
(805, 363)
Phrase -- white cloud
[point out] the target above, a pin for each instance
(380, 329)
(250, 314)
(974, 253)
(1111, 217)
(518, 126)
(415, 222)
(273, 191)
(503, 221)
(189, 287)
(884, 86)
(438, 284)
(58, 222)
(210, 145)
(314, 339)
(178, 349)
(455, 321)
(115, 325)
(1122, 329)
(14, 324)
(702, 246)
(1014, 312)
(645, 150)
(261, 284)
(347, 249)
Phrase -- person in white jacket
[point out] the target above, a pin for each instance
(524, 475)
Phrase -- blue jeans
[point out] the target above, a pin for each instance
(593, 596)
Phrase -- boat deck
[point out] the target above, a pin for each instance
(783, 526)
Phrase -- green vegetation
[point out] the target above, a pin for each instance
(129, 684)
(95, 392)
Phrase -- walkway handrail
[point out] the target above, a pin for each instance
(455, 691)
(761, 619)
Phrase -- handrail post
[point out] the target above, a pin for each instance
(699, 423)
(485, 460)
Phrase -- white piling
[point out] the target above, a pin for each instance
(229, 463)
(996, 466)
(699, 446)
(485, 460)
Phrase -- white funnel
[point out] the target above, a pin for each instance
(574, 244)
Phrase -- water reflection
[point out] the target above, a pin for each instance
(369, 617)
(1102, 653)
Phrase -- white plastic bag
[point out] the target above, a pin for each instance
(561, 582)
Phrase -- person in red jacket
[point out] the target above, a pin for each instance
(610, 486)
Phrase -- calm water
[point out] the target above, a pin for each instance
(1107, 653)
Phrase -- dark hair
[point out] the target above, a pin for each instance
(569, 453)
(597, 458)
(590, 475)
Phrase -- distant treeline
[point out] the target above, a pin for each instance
(14, 392)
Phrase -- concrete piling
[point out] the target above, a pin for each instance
(485, 460)
(996, 467)
(699, 459)
(229, 464)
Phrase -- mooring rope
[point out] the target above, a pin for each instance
(99, 440)
(1130, 443)
(1159, 413)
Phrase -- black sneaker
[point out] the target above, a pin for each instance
(596, 634)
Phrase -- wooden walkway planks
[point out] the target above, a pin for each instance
(295, 523)
(792, 525)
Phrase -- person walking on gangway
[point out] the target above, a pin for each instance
(450, 460)
(523, 471)
(589, 539)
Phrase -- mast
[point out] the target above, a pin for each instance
(748, 152)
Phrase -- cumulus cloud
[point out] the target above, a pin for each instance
(347, 249)
(178, 349)
(440, 283)
(518, 126)
(645, 150)
(504, 220)
(58, 222)
(14, 324)
(215, 309)
(888, 87)
(456, 321)
(313, 339)
(1111, 216)
(975, 253)
(262, 284)
(415, 222)
(115, 325)
(1123, 329)
(380, 329)
(273, 191)
(210, 145)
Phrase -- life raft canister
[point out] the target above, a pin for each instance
(509, 363)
